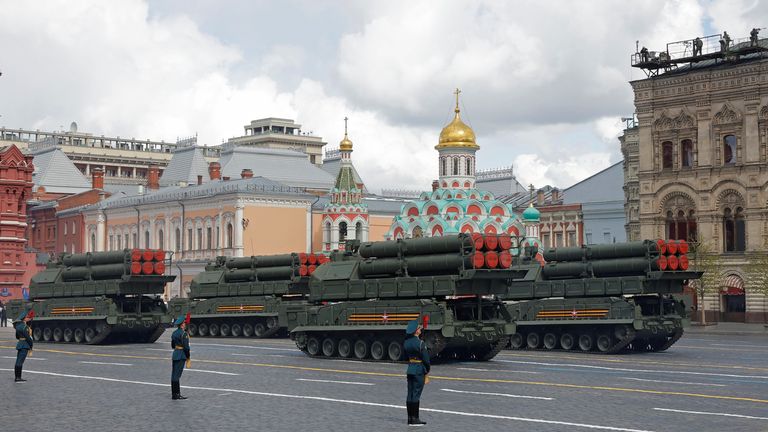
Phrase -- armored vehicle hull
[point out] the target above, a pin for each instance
(246, 297)
(361, 302)
(605, 299)
(97, 298)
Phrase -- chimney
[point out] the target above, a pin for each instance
(214, 170)
(435, 185)
(199, 180)
(555, 196)
(246, 173)
(97, 178)
(540, 197)
(153, 177)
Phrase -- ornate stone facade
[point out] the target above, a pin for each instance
(696, 168)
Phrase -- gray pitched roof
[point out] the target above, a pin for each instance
(332, 166)
(376, 204)
(57, 174)
(501, 186)
(186, 164)
(256, 185)
(284, 166)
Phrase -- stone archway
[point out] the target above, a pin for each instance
(733, 299)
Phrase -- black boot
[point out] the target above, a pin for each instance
(17, 372)
(409, 408)
(178, 391)
(174, 390)
(416, 421)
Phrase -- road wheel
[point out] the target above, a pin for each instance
(361, 349)
(57, 334)
(395, 351)
(203, 329)
(329, 347)
(271, 322)
(604, 343)
(550, 341)
(533, 340)
(377, 350)
(79, 335)
(567, 341)
(90, 333)
(67, 334)
(313, 346)
(259, 330)
(224, 330)
(586, 342)
(213, 329)
(640, 345)
(47, 334)
(236, 330)
(192, 329)
(345, 348)
(516, 341)
(247, 330)
(37, 333)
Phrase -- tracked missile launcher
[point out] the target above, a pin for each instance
(99, 297)
(602, 298)
(362, 300)
(246, 296)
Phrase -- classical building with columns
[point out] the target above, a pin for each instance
(696, 167)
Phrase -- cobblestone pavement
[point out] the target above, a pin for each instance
(703, 383)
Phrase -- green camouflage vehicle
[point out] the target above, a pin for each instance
(245, 297)
(99, 297)
(602, 298)
(361, 301)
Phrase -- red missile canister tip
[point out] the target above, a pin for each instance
(312, 258)
(477, 239)
(159, 267)
(159, 255)
(135, 267)
(682, 247)
(303, 271)
(136, 255)
(683, 262)
(491, 242)
(505, 242)
(303, 258)
(147, 267)
(672, 262)
(672, 247)
(662, 262)
(478, 260)
(311, 269)
(505, 259)
(147, 255)
(491, 259)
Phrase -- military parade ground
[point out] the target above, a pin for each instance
(705, 382)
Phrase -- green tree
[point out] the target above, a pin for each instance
(704, 257)
(758, 271)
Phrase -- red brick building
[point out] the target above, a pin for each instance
(16, 264)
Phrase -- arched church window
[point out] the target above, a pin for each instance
(93, 242)
(146, 239)
(342, 231)
(455, 166)
(733, 229)
(230, 235)
(359, 231)
(666, 155)
(327, 233)
(729, 149)
(178, 239)
(160, 240)
(686, 153)
(469, 166)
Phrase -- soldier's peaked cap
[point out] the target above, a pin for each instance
(179, 320)
(412, 326)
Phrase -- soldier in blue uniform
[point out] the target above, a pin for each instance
(24, 342)
(418, 368)
(181, 355)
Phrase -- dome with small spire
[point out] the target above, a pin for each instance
(457, 133)
(345, 145)
(531, 214)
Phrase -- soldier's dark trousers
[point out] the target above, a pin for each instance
(21, 355)
(415, 387)
(178, 368)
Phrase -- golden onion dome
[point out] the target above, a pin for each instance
(457, 133)
(346, 143)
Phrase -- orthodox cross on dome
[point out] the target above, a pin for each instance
(457, 92)
(345, 125)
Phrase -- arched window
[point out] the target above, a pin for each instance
(327, 233)
(230, 235)
(178, 239)
(469, 166)
(189, 239)
(666, 155)
(729, 149)
(733, 229)
(342, 231)
(455, 166)
(686, 153)
(160, 240)
(443, 166)
(359, 231)
(146, 239)
(119, 242)
(93, 242)
(681, 225)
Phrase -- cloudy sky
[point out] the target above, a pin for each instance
(544, 83)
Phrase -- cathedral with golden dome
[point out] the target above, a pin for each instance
(455, 205)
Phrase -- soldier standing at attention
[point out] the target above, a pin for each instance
(3, 315)
(181, 355)
(418, 368)
(24, 342)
